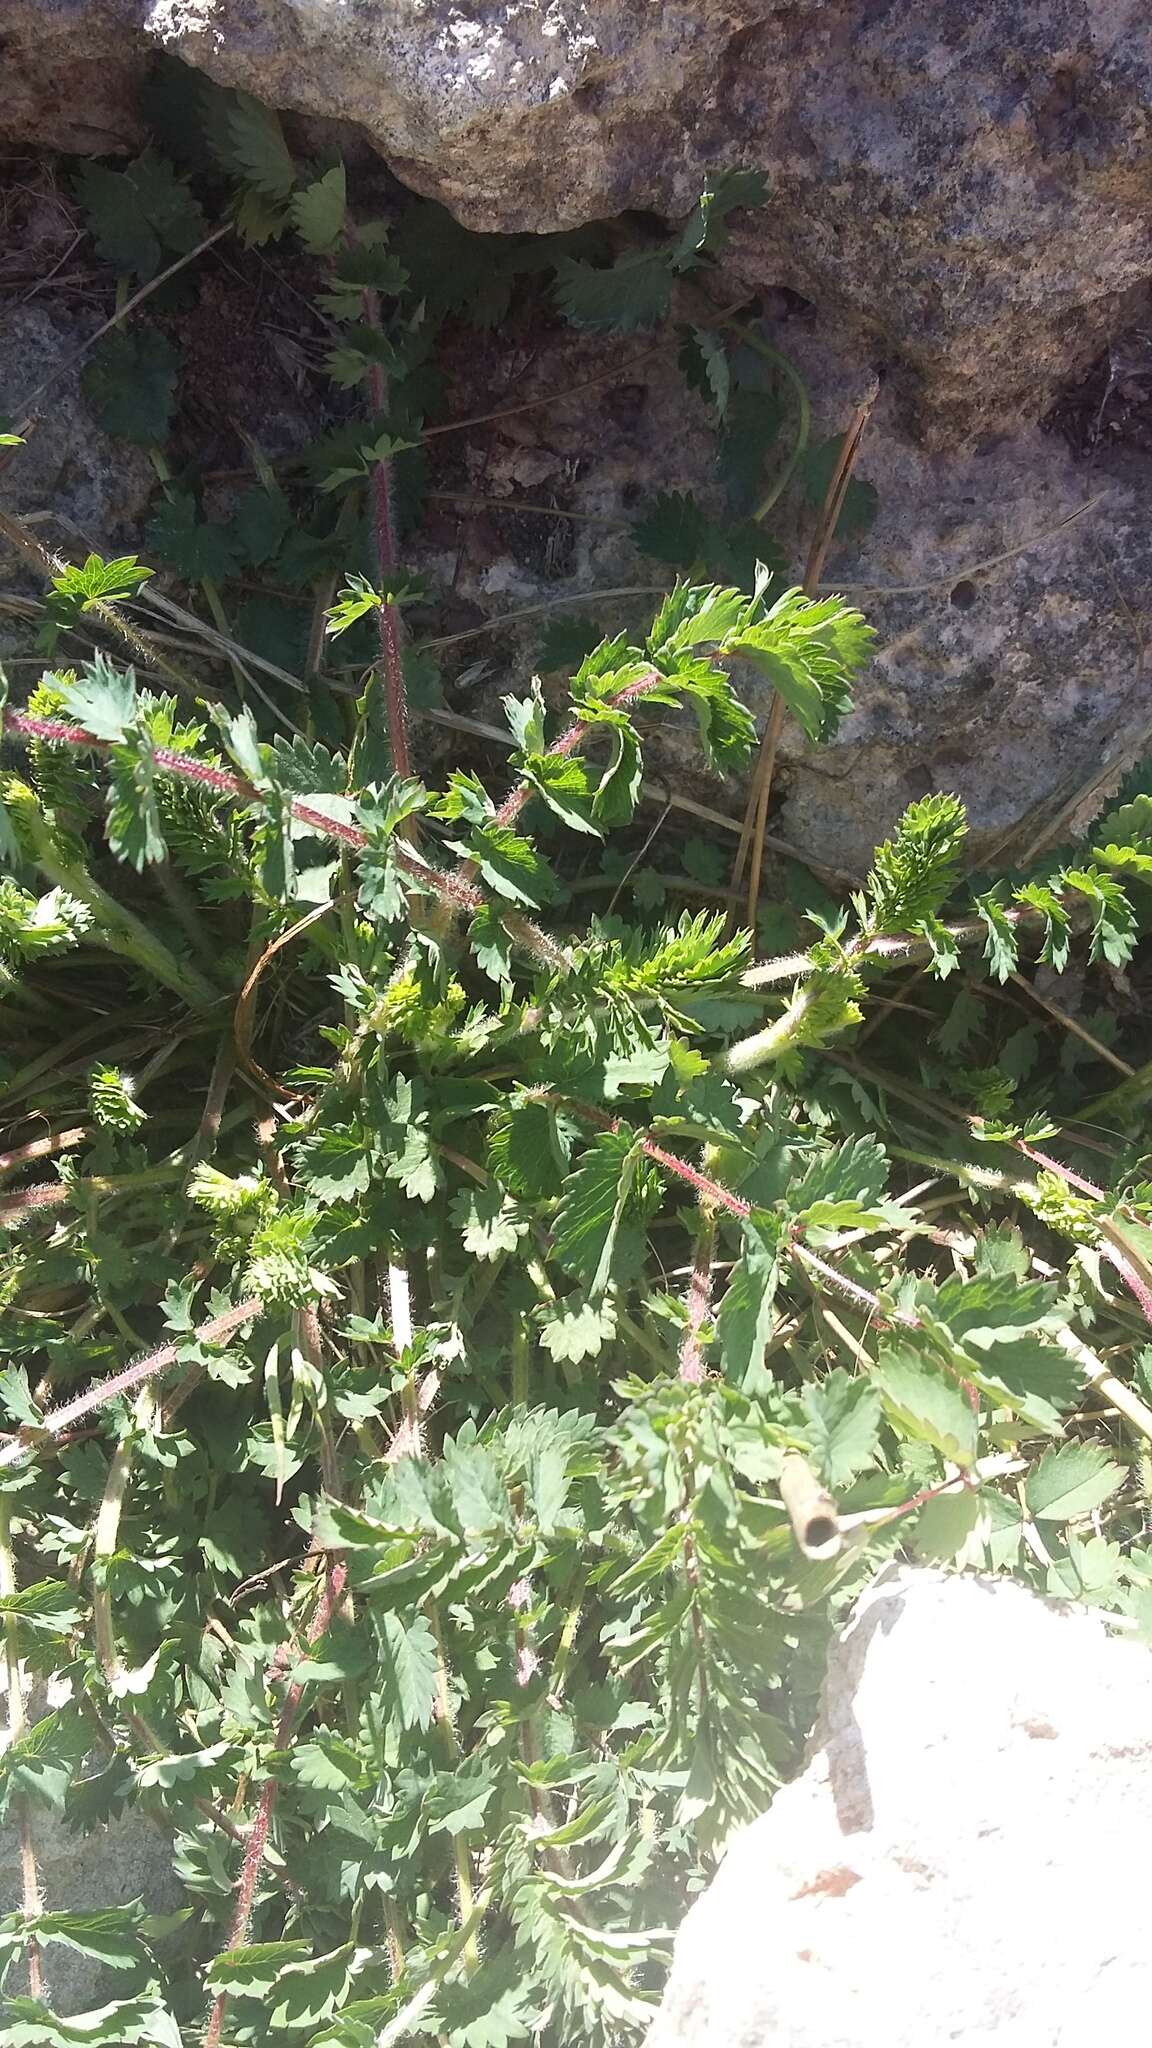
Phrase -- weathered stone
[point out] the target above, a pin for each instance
(1008, 584)
(971, 191)
(127, 1859)
(968, 192)
(964, 1858)
(84, 491)
(70, 71)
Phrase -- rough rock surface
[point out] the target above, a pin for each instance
(128, 1859)
(963, 1859)
(1008, 585)
(969, 191)
(71, 70)
(81, 490)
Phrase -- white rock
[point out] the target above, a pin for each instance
(965, 1858)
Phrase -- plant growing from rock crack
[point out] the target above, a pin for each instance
(419, 1294)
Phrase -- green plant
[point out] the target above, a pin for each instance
(417, 1290)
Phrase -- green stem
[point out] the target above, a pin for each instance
(400, 2028)
(105, 1544)
(453, 1753)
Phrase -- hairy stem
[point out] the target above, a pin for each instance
(238, 1934)
(699, 1295)
(115, 927)
(58, 1420)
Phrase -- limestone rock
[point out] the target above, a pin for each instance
(129, 1858)
(963, 1859)
(1007, 582)
(85, 492)
(70, 71)
(967, 191)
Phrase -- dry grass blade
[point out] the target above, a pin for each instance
(243, 1021)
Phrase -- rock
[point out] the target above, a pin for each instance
(85, 491)
(71, 72)
(969, 190)
(964, 1858)
(127, 1859)
(966, 192)
(1008, 584)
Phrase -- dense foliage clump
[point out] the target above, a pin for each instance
(461, 1351)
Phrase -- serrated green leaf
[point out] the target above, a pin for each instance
(326, 1763)
(333, 1165)
(103, 699)
(199, 550)
(589, 1234)
(925, 1399)
(490, 1224)
(139, 215)
(575, 1329)
(49, 1607)
(409, 1665)
(510, 864)
(256, 147)
(318, 210)
(673, 529)
(568, 787)
(261, 523)
(251, 1972)
(634, 292)
(135, 832)
(130, 382)
(1071, 1481)
(914, 874)
(843, 1415)
(745, 1321)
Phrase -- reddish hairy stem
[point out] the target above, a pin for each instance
(572, 737)
(384, 529)
(723, 1198)
(1116, 1257)
(62, 1418)
(43, 1148)
(454, 889)
(337, 1573)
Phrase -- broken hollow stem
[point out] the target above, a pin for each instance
(811, 1509)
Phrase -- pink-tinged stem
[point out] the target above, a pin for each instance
(384, 529)
(62, 1418)
(335, 1577)
(572, 737)
(453, 888)
(1065, 1173)
(44, 1148)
